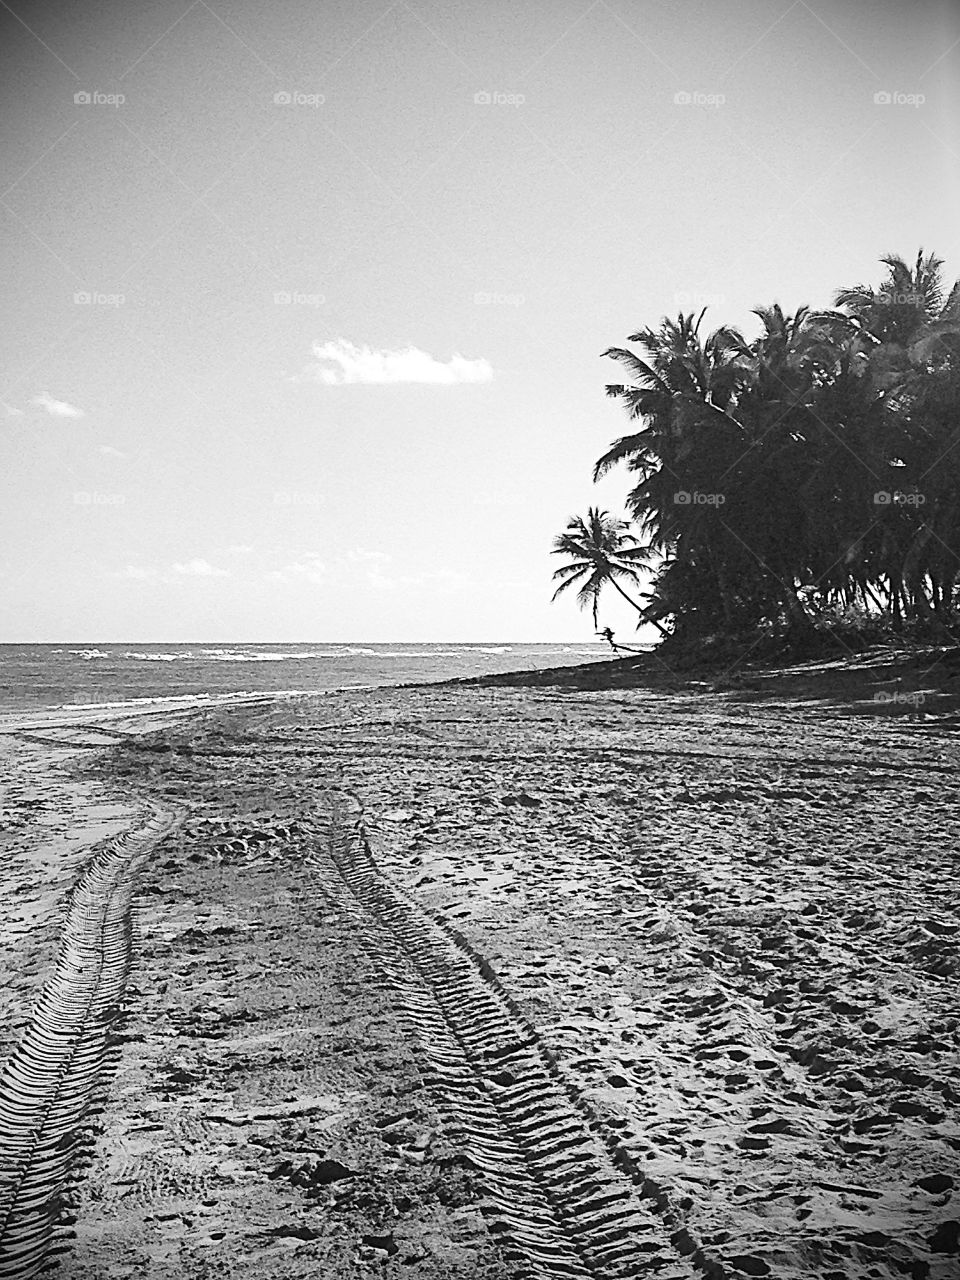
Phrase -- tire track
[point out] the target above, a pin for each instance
(50, 1084)
(566, 1200)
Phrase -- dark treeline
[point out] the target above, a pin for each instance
(804, 481)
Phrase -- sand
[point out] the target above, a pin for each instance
(705, 943)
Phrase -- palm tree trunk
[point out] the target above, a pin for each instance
(895, 600)
(638, 608)
(798, 614)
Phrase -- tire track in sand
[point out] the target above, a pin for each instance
(563, 1197)
(50, 1083)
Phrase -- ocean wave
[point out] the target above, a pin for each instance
(87, 654)
(225, 655)
(260, 655)
(193, 699)
(239, 654)
(156, 657)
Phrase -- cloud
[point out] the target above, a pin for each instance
(302, 571)
(342, 363)
(138, 574)
(57, 408)
(377, 568)
(239, 549)
(199, 569)
(109, 451)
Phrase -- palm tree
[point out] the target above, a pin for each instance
(689, 393)
(786, 445)
(601, 551)
(682, 380)
(908, 300)
(912, 338)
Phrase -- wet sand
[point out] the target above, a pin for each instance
(723, 925)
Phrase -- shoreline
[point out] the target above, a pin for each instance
(722, 914)
(912, 675)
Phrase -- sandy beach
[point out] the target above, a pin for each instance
(495, 981)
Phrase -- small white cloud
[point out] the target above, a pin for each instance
(57, 408)
(137, 573)
(301, 571)
(342, 363)
(199, 569)
(109, 451)
(12, 411)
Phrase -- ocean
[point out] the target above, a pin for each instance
(33, 676)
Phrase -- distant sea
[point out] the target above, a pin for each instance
(59, 675)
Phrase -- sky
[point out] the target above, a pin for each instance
(305, 304)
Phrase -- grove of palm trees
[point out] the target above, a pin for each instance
(798, 489)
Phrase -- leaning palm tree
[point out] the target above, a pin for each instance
(600, 551)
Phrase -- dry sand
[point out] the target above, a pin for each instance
(722, 929)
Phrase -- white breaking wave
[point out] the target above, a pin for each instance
(157, 657)
(193, 699)
(226, 655)
(271, 655)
